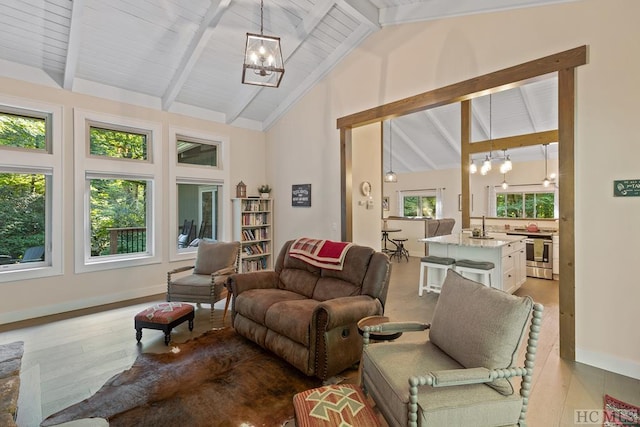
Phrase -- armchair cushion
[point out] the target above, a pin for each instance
(214, 256)
(385, 374)
(479, 327)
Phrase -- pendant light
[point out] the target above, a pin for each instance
(505, 185)
(390, 176)
(486, 165)
(546, 181)
(263, 65)
(506, 166)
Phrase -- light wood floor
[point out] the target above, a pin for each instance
(69, 357)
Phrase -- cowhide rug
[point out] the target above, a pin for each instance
(217, 379)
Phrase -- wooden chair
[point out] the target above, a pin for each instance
(215, 262)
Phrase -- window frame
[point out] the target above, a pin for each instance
(416, 193)
(88, 166)
(184, 173)
(526, 189)
(47, 161)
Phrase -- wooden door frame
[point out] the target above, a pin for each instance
(564, 64)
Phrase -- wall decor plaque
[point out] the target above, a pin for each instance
(626, 188)
(301, 195)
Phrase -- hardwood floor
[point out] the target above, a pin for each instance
(69, 357)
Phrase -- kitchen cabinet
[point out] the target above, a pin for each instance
(507, 253)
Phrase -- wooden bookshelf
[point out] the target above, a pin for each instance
(253, 228)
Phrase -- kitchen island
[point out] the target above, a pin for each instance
(506, 252)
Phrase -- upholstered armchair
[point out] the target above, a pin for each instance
(463, 374)
(215, 261)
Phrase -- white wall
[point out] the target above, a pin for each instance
(38, 297)
(304, 146)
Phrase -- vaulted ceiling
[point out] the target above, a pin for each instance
(186, 56)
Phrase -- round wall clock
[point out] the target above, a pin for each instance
(365, 188)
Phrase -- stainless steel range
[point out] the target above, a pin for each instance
(539, 248)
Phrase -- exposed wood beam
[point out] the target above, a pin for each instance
(73, 46)
(566, 168)
(363, 11)
(492, 82)
(194, 50)
(301, 33)
(465, 143)
(320, 71)
(346, 185)
(516, 141)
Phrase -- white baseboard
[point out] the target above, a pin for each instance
(608, 362)
(35, 312)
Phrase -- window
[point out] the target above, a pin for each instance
(118, 216)
(30, 190)
(118, 171)
(25, 131)
(200, 194)
(193, 152)
(424, 206)
(117, 144)
(525, 204)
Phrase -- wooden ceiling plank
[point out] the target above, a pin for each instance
(192, 53)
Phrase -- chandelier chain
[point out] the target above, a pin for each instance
(261, 16)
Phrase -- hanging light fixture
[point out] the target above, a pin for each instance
(486, 165)
(263, 65)
(390, 176)
(504, 181)
(472, 167)
(546, 181)
(506, 166)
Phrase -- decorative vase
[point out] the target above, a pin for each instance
(264, 195)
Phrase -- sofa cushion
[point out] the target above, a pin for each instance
(292, 318)
(300, 281)
(330, 288)
(214, 256)
(479, 326)
(255, 303)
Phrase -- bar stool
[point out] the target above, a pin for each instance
(484, 269)
(438, 267)
(400, 249)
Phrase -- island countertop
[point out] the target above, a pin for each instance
(465, 239)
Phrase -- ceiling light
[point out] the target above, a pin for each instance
(390, 176)
(472, 167)
(506, 166)
(504, 182)
(263, 65)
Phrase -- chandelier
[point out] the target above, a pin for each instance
(263, 64)
(390, 176)
(506, 165)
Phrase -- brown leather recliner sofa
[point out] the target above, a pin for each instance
(308, 315)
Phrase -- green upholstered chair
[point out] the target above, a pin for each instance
(462, 374)
(215, 262)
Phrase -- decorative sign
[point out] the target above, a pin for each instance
(301, 195)
(626, 188)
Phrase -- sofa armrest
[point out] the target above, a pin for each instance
(348, 310)
(241, 282)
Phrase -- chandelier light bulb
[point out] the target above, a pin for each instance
(473, 168)
(545, 182)
(552, 176)
(487, 164)
(505, 185)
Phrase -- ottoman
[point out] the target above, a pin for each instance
(164, 316)
(340, 405)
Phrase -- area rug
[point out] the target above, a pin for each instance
(618, 413)
(217, 379)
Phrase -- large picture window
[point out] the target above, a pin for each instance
(420, 206)
(199, 196)
(118, 216)
(118, 170)
(30, 189)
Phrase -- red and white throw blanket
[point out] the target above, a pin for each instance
(321, 253)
